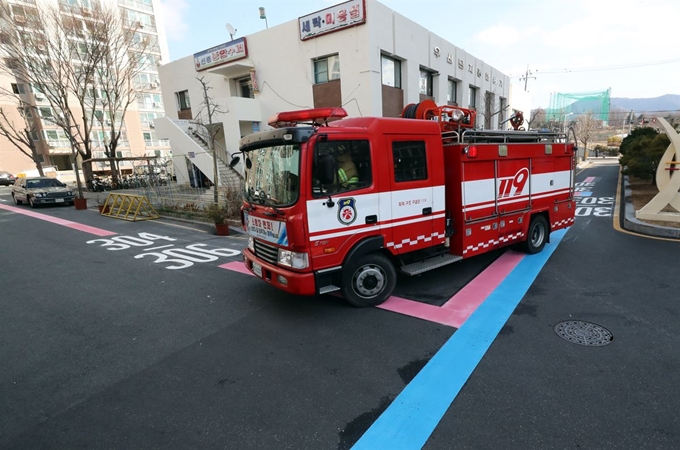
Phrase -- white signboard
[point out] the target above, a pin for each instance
(221, 54)
(333, 18)
(272, 231)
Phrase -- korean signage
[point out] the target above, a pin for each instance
(331, 19)
(223, 53)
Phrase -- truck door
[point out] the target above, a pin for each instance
(412, 195)
(345, 209)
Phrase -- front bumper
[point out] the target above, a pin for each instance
(52, 201)
(296, 282)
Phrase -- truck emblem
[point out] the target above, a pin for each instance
(347, 212)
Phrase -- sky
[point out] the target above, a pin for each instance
(629, 46)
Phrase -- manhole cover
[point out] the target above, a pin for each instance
(584, 333)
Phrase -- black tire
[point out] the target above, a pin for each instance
(16, 201)
(369, 281)
(537, 235)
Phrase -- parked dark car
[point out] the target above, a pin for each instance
(41, 191)
(6, 178)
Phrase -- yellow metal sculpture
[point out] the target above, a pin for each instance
(667, 181)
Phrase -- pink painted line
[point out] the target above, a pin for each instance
(468, 299)
(62, 222)
(457, 309)
(589, 180)
(236, 266)
(419, 310)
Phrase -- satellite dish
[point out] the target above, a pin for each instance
(231, 30)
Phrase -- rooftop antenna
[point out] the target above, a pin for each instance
(231, 30)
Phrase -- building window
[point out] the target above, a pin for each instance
(410, 162)
(473, 97)
(183, 100)
(501, 114)
(426, 82)
(18, 88)
(245, 86)
(35, 137)
(452, 93)
(391, 72)
(326, 69)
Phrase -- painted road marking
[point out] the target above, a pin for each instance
(62, 222)
(457, 309)
(412, 417)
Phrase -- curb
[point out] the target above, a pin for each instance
(630, 223)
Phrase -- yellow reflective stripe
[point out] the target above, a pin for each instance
(342, 175)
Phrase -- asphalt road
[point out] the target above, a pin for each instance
(139, 339)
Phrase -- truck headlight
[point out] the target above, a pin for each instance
(293, 259)
(251, 244)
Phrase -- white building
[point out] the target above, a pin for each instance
(358, 54)
(139, 137)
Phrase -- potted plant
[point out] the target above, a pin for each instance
(101, 204)
(219, 215)
(80, 202)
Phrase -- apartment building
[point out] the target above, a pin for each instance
(138, 137)
(359, 54)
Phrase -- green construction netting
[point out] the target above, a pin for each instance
(562, 104)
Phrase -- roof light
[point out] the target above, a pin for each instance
(316, 116)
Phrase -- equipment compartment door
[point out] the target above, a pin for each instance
(513, 188)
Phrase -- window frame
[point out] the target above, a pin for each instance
(400, 159)
(331, 71)
(472, 100)
(183, 100)
(452, 92)
(395, 71)
(427, 76)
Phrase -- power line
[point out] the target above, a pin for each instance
(592, 69)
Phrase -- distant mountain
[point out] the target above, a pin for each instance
(668, 102)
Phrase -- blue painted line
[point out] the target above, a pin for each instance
(412, 417)
(583, 194)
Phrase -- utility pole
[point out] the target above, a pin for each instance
(526, 76)
(630, 121)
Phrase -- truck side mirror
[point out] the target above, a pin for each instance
(326, 166)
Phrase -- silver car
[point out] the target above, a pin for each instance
(41, 191)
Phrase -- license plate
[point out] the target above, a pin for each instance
(257, 269)
(59, 200)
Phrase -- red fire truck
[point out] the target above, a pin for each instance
(343, 204)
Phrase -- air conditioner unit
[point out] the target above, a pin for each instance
(141, 24)
(155, 105)
(39, 96)
(108, 122)
(151, 125)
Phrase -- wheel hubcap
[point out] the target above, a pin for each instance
(537, 236)
(369, 281)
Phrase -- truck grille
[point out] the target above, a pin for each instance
(266, 252)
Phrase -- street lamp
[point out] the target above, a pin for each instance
(564, 126)
(263, 15)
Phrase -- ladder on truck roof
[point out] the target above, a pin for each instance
(501, 137)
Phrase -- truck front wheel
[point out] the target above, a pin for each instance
(369, 281)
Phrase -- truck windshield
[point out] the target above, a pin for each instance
(272, 175)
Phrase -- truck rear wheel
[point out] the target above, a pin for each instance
(369, 281)
(537, 235)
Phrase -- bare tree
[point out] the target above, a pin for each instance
(536, 117)
(65, 53)
(586, 124)
(210, 109)
(20, 135)
(124, 56)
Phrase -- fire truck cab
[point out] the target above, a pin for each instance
(343, 204)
